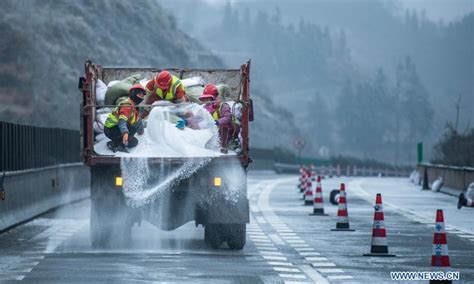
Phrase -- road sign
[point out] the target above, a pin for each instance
(299, 143)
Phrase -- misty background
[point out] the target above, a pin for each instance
(368, 79)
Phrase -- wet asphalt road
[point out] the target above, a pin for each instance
(284, 243)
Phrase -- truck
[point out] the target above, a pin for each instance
(200, 197)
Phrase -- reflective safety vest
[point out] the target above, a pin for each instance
(115, 116)
(217, 114)
(171, 92)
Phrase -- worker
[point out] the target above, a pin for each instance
(164, 87)
(222, 115)
(124, 121)
(467, 199)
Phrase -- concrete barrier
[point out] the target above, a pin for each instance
(457, 178)
(33, 192)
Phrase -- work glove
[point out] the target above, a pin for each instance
(125, 139)
(181, 124)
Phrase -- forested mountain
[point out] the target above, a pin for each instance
(361, 77)
(45, 43)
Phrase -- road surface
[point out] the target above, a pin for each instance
(284, 243)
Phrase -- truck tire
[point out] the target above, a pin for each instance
(110, 219)
(236, 236)
(332, 196)
(213, 235)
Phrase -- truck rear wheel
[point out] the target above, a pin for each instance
(236, 236)
(110, 220)
(213, 235)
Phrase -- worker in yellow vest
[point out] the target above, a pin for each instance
(124, 121)
(164, 87)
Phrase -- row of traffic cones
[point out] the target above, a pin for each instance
(379, 244)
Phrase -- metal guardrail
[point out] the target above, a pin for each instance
(25, 147)
(453, 177)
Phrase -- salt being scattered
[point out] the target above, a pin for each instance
(144, 184)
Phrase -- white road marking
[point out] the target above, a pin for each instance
(466, 236)
(300, 241)
(271, 253)
(323, 264)
(266, 248)
(284, 230)
(331, 270)
(300, 249)
(309, 253)
(270, 257)
(278, 263)
(299, 245)
(339, 277)
(261, 240)
(255, 233)
(316, 259)
(284, 269)
(276, 239)
(294, 276)
(258, 237)
(287, 234)
(313, 274)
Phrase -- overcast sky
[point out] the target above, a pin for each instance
(447, 10)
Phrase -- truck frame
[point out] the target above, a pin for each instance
(197, 198)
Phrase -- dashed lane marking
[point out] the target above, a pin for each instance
(302, 249)
(266, 248)
(331, 270)
(271, 253)
(285, 269)
(270, 257)
(466, 236)
(316, 259)
(339, 277)
(309, 253)
(323, 264)
(295, 241)
(278, 263)
(299, 245)
(290, 238)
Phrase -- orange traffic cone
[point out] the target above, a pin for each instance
(318, 206)
(342, 214)
(308, 194)
(440, 257)
(379, 238)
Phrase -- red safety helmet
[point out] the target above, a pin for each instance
(163, 80)
(210, 92)
(137, 87)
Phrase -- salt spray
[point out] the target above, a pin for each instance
(142, 185)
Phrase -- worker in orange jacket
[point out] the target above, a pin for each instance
(164, 87)
(124, 121)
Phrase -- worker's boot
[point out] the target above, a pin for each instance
(132, 142)
(462, 201)
(224, 150)
(112, 146)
